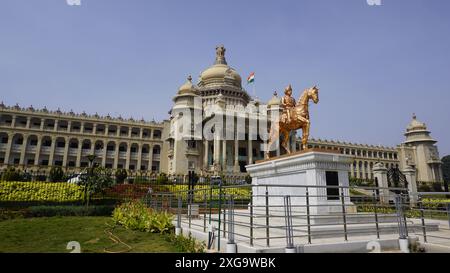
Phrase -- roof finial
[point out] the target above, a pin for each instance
(275, 94)
(220, 55)
(414, 116)
(189, 78)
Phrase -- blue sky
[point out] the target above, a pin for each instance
(375, 65)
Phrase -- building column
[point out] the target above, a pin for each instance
(410, 175)
(13, 122)
(82, 128)
(236, 155)
(250, 152)
(92, 152)
(55, 127)
(23, 150)
(216, 151)
(66, 151)
(69, 126)
(116, 155)
(52, 151)
(104, 153)
(205, 155)
(80, 146)
(38, 150)
(28, 122)
(224, 155)
(8, 148)
(380, 174)
(42, 124)
(358, 170)
(150, 157)
(94, 129)
(106, 129)
(128, 157)
(139, 160)
(141, 133)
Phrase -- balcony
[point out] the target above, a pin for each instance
(157, 157)
(73, 152)
(122, 155)
(59, 151)
(16, 148)
(110, 154)
(45, 150)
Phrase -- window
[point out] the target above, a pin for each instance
(332, 179)
(242, 152)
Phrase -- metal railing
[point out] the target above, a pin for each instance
(288, 216)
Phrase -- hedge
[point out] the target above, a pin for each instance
(40, 191)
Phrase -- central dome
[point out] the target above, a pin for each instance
(220, 72)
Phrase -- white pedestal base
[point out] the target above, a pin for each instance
(295, 174)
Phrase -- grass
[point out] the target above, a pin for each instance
(51, 235)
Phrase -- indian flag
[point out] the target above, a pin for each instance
(251, 78)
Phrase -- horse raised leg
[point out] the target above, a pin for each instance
(285, 143)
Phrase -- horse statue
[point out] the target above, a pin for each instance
(297, 118)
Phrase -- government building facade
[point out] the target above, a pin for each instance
(37, 139)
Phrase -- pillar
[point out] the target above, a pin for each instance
(66, 151)
(236, 155)
(224, 155)
(128, 157)
(380, 174)
(250, 152)
(139, 159)
(104, 154)
(52, 151)
(205, 155)
(410, 175)
(23, 150)
(80, 145)
(38, 150)
(8, 148)
(116, 155)
(150, 157)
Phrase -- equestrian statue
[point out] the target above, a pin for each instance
(294, 116)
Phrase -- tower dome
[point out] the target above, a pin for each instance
(220, 72)
(187, 88)
(417, 132)
(274, 101)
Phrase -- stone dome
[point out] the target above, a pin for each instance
(187, 87)
(274, 101)
(416, 125)
(220, 72)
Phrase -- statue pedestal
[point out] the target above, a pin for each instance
(294, 174)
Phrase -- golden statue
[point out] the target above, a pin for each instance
(294, 116)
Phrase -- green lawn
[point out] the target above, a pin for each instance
(52, 235)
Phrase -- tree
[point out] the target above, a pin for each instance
(56, 174)
(95, 182)
(121, 175)
(446, 171)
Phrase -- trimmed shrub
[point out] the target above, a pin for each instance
(121, 175)
(136, 216)
(56, 174)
